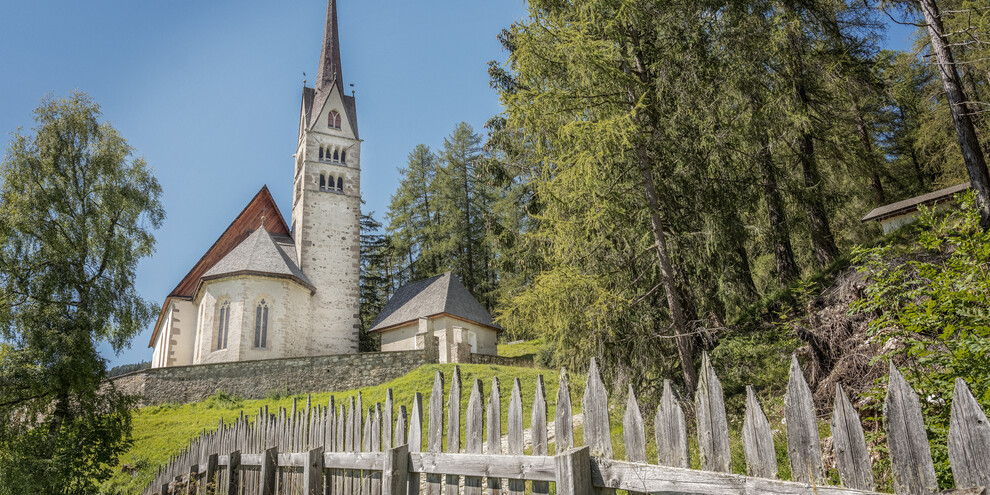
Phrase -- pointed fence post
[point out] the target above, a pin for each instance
(851, 455)
(494, 423)
(969, 439)
(910, 455)
(538, 432)
(757, 437)
(515, 434)
(454, 427)
(474, 428)
(434, 434)
(562, 425)
(670, 431)
(804, 446)
(713, 428)
(597, 430)
(415, 438)
(634, 434)
(210, 480)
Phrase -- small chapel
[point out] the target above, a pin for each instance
(265, 289)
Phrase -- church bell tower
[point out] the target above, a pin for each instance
(326, 202)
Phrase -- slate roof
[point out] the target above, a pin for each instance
(260, 254)
(912, 204)
(261, 205)
(443, 294)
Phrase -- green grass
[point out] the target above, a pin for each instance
(528, 348)
(161, 431)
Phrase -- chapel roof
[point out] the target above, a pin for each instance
(442, 294)
(912, 204)
(261, 205)
(260, 254)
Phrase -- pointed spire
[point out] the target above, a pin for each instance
(329, 68)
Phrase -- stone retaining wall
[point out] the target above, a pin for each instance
(264, 378)
(521, 361)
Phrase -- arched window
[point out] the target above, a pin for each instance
(223, 325)
(321, 152)
(323, 182)
(343, 157)
(261, 325)
(336, 156)
(333, 120)
(340, 184)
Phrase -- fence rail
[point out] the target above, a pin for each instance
(328, 449)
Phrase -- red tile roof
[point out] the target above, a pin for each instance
(246, 222)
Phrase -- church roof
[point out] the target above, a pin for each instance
(329, 70)
(440, 295)
(261, 205)
(260, 254)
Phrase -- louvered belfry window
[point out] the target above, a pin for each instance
(261, 325)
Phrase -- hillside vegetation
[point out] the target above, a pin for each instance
(161, 431)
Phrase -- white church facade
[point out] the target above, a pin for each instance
(266, 289)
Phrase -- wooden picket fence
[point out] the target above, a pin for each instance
(326, 449)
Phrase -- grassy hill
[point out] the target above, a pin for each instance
(161, 431)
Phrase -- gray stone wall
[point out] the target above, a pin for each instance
(264, 378)
(521, 361)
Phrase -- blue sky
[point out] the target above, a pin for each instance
(208, 92)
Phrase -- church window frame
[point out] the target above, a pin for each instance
(343, 157)
(261, 324)
(340, 184)
(223, 324)
(321, 153)
(323, 181)
(333, 120)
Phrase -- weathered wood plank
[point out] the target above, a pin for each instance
(562, 421)
(662, 479)
(634, 434)
(851, 455)
(910, 455)
(233, 477)
(528, 467)
(434, 434)
(400, 427)
(474, 430)
(376, 446)
(538, 431)
(670, 431)
(269, 469)
(597, 434)
(804, 446)
(387, 421)
(757, 437)
(395, 471)
(415, 438)
(354, 460)
(969, 439)
(573, 475)
(713, 428)
(454, 427)
(494, 436)
(515, 440)
(313, 472)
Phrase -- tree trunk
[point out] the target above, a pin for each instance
(871, 159)
(976, 164)
(780, 234)
(685, 352)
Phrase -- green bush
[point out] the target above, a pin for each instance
(930, 303)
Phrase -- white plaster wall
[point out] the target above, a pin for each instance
(403, 338)
(288, 303)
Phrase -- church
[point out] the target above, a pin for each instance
(265, 289)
